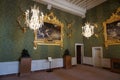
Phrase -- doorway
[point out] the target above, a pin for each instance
(79, 53)
(97, 55)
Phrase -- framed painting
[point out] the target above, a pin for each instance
(112, 29)
(51, 33)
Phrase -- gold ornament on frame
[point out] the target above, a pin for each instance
(112, 29)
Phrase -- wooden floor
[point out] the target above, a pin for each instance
(79, 72)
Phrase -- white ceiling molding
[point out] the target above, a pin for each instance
(65, 6)
(88, 4)
(49, 6)
(76, 7)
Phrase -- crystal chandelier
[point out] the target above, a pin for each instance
(87, 30)
(34, 18)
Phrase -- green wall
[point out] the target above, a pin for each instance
(98, 15)
(13, 40)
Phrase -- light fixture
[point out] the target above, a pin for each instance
(34, 18)
(88, 30)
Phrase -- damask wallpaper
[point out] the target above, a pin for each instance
(13, 40)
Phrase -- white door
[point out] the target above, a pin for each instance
(97, 56)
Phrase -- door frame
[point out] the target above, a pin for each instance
(93, 52)
(82, 51)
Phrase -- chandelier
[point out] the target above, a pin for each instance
(34, 18)
(87, 30)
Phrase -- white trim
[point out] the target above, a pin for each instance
(9, 67)
(82, 51)
(74, 61)
(65, 6)
(13, 67)
(87, 60)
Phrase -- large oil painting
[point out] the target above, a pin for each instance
(51, 33)
(112, 29)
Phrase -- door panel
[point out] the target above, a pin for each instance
(78, 54)
(97, 57)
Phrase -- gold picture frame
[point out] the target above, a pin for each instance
(52, 32)
(112, 29)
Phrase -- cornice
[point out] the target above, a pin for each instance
(65, 6)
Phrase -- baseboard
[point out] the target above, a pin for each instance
(87, 64)
(106, 68)
(19, 75)
(9, 75)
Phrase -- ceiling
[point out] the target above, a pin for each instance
(86, 4)
(76, 7)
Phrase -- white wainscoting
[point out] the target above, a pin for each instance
(74, 61)
(13, 67)
(105, 61)
(44, 64)
(8, 67)
(87, 60)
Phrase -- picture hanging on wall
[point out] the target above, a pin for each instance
(112, 29)
(51, 33)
